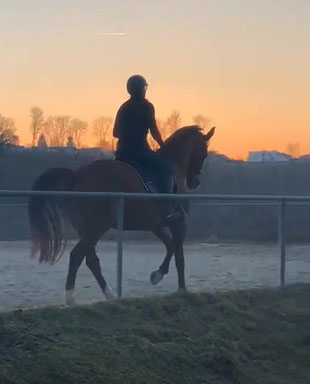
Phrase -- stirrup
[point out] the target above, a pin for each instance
(174, 217)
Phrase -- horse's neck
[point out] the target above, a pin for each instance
(179, 156)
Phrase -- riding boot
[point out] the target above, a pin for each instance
(168, 212)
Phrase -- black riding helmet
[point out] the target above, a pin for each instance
(135, 84)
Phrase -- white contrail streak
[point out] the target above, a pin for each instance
(104, 33)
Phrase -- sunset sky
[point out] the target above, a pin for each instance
(243, 63)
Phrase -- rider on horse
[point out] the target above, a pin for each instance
(134, 119)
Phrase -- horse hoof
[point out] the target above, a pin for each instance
(108, 293)
(156, 277)
(69, 298)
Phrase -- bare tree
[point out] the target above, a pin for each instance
(48, 129)
(7, 132)
(293, 149)
(102, 125)
(173, 122)
(62, 124)
(36, 124)
(42, 142)
(56, 128)
(77, 129)
(202, 121)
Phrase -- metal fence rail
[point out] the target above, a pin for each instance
(194, 196)
(208, 199)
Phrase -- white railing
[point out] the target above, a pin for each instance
(280, 201)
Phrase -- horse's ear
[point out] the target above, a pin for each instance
(209, 134)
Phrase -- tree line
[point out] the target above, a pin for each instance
(62, 130)
(8, 134)
(59, 130)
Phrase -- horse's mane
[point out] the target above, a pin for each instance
(183, 133)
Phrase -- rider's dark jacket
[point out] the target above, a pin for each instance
(133, 121)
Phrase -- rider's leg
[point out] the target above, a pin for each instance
(164, 174)
(169, 212)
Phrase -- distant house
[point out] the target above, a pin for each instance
(304, 158)
(267, 156)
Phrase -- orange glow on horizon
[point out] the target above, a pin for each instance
(244, 65)
(235, 135)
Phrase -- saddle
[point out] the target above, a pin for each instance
(148, 178)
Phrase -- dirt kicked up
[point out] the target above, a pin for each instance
(248, 336)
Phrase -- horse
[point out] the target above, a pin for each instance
(186, 150)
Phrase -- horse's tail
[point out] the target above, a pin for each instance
(47, 214)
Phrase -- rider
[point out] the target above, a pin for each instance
(134, 119)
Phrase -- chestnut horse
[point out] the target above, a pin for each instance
(186, 150)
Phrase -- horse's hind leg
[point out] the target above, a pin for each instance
(76, 257)
(178, 234)
(165, 236)
(93, 263)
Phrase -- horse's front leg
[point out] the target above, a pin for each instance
(165, 236)
(178, 234)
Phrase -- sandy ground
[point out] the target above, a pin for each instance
(26, 284)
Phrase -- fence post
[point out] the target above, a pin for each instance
(281, 239)
(120, 232)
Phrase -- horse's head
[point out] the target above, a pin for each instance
(197, 158)
(187, 148)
